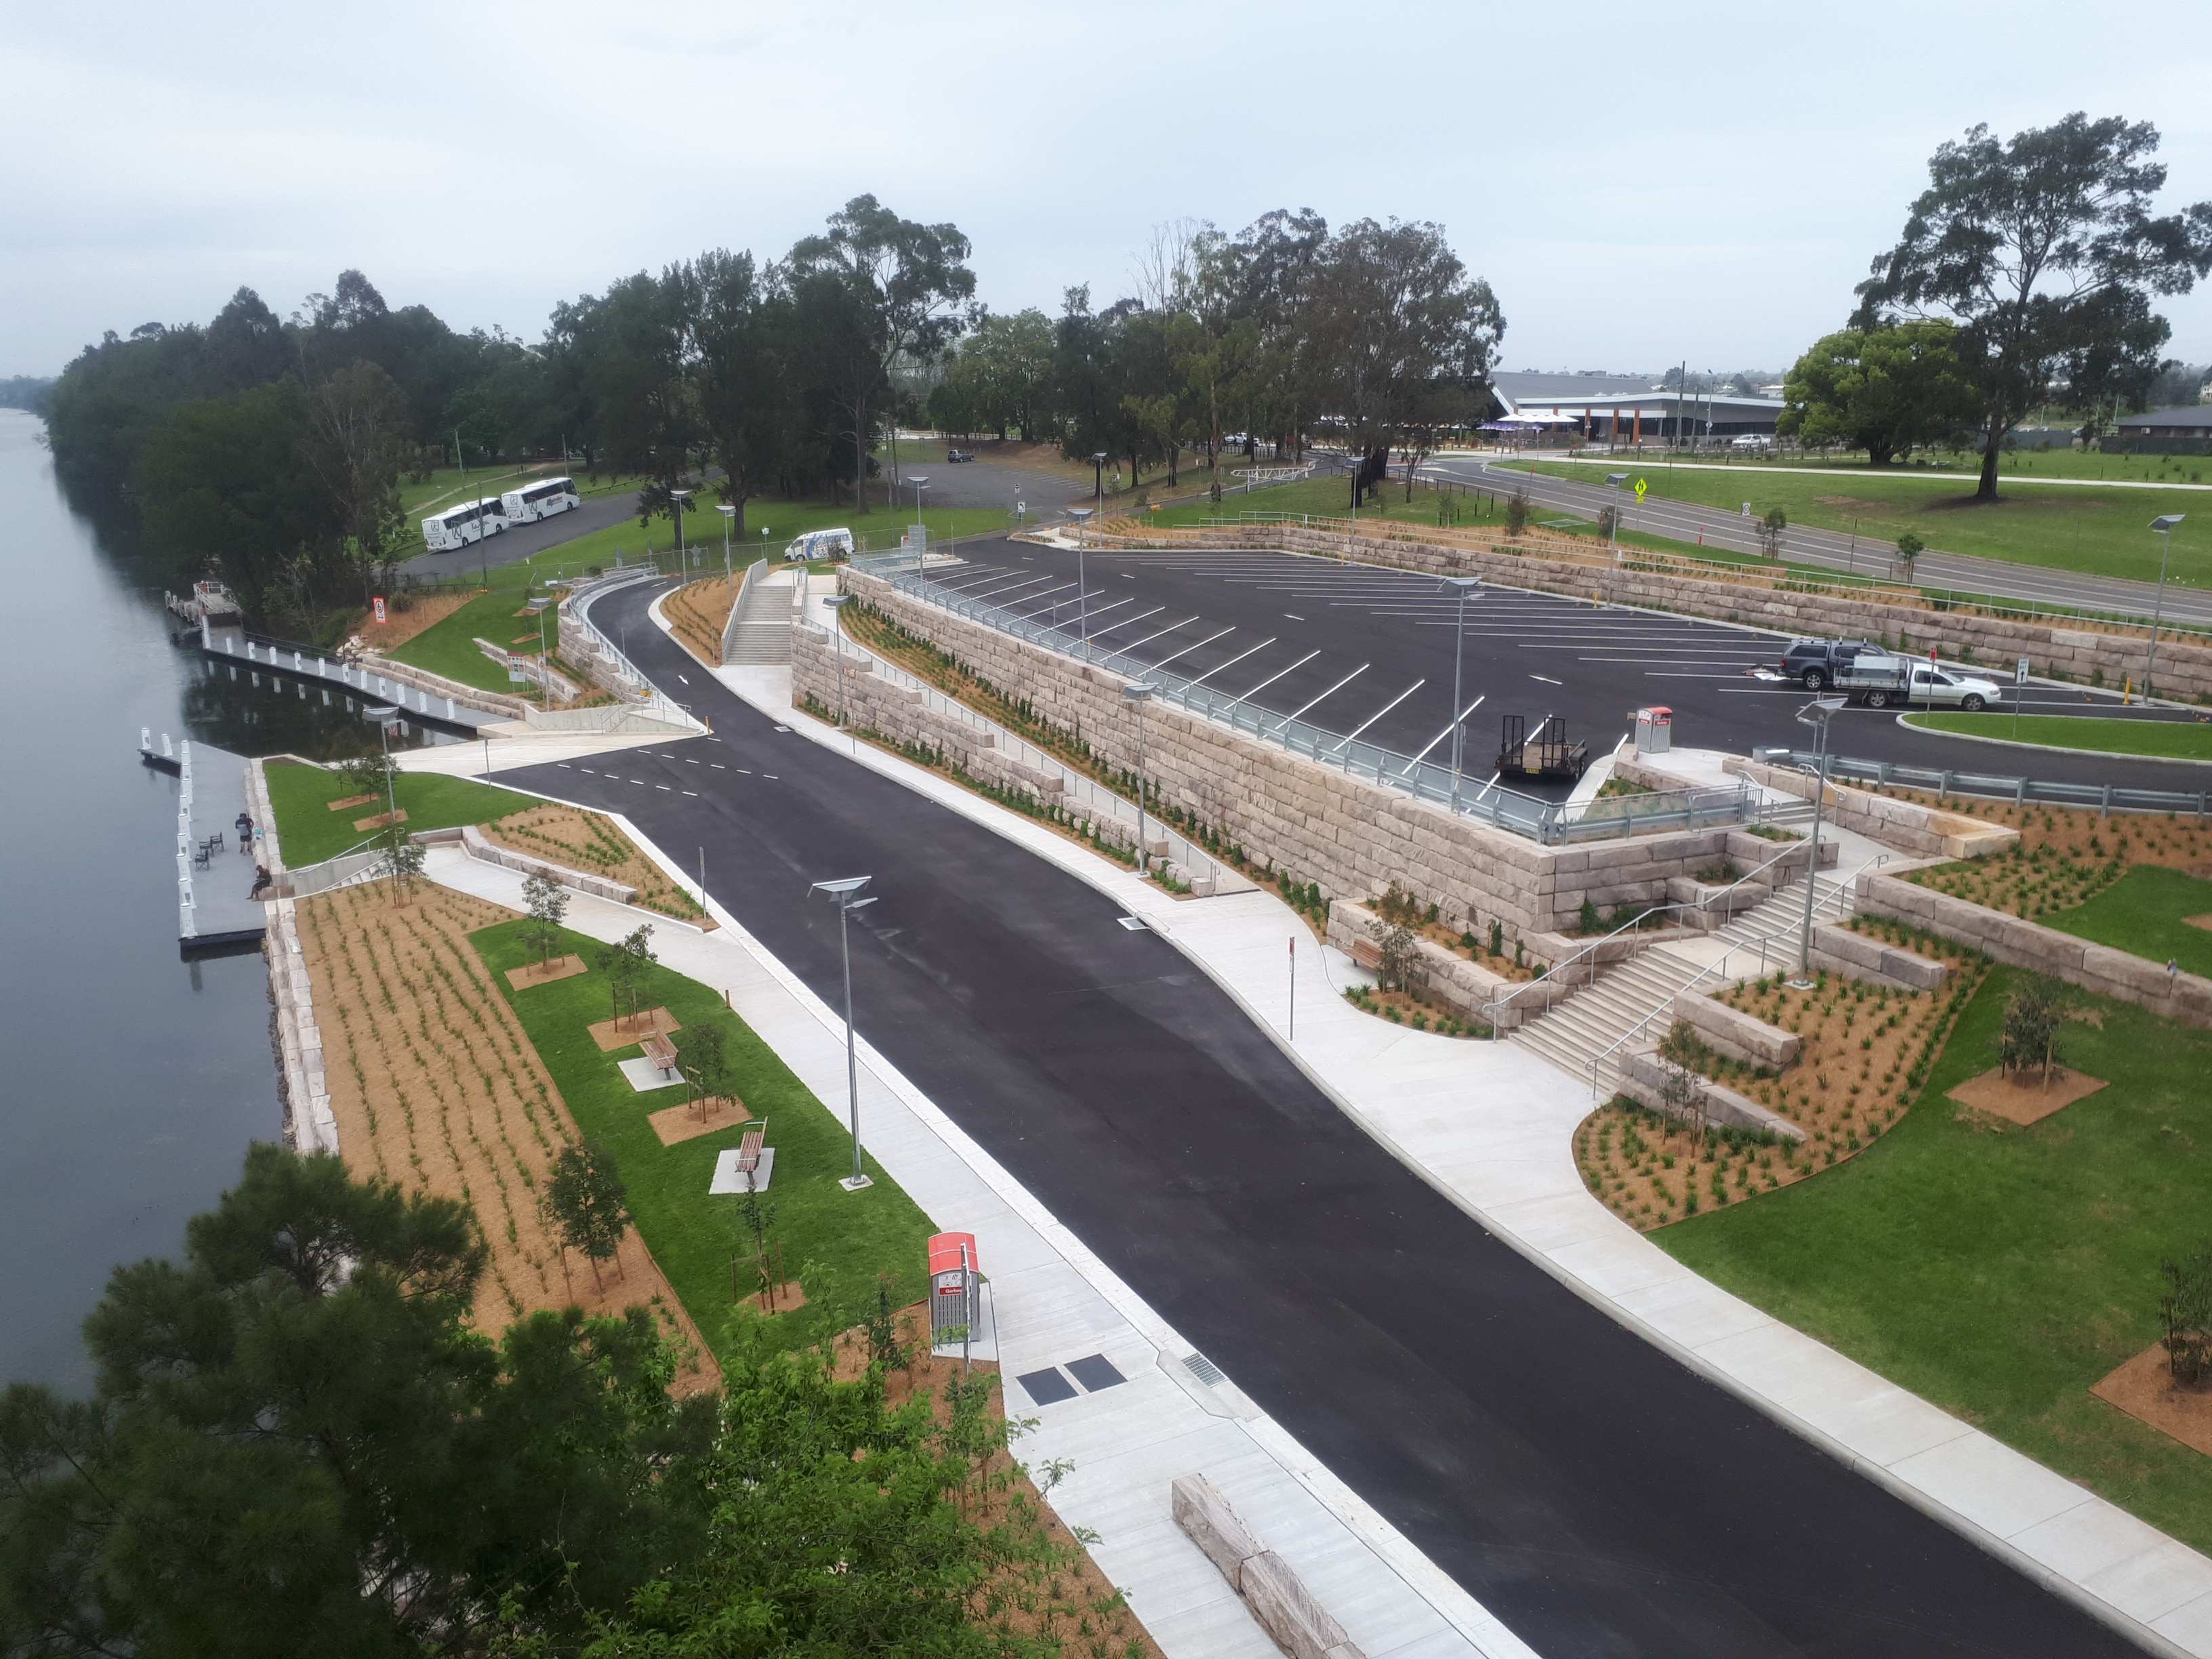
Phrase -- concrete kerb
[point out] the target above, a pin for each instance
(985, 812)
(1905, 720)
(1444, 1594)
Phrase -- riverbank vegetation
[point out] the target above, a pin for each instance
(299, 1442)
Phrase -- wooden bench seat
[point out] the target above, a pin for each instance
(660, 1050)
(1368, 954)
(749, 1148)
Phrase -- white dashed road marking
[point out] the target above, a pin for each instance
(662, 787)
(1547, 679)
(1293, 615)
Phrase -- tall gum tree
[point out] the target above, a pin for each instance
(2044, 250)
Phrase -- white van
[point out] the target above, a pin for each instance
(821, 545)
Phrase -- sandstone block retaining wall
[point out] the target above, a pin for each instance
(1739, 1035)
(1642, 1079)
(478, 846)
(1906, 823)
(1841, 950)
(1278, 1599)
(2021, 944)
(1466, 987)
(1353, 837)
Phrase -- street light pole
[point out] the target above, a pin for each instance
(920, 484)
(1816, 713)
(2164, 525)
(842, 893)
(1082, 582)
(1140, 692)
(1464, 586)
(729, 512)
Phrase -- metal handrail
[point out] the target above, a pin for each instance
(1552, 974)
(1843, 890)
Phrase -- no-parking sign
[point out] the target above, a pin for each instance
(377, 605)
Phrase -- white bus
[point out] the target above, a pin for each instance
(457, 526)
(541, 500)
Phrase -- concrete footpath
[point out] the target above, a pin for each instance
(1490, 1125)
(1051, 1301)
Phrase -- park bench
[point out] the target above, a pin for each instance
(660, 1051)
(1368, 954)
(749, 1147)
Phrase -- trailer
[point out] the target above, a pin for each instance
(1543, 753)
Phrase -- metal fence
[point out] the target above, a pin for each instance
(2105, 797)
(631, 686)
(1544, 820)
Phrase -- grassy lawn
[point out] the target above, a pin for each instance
(1997, 1271)
(449, 647)
(309, 831)
(2161, 739)
(2145, 913)
(2103, 531)
(1325, 497)
(2029, 463)
(835, 1242)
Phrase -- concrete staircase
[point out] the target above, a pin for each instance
(759, 631)
(1590, 1019)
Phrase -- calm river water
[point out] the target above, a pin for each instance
(131, 1081)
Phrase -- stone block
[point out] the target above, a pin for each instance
(1286, 1609)
(1203, 1513)
(1739, 1035)
(1642, 1079)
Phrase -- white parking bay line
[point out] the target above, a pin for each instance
(662, 787)
(693, 793)
(1293, 615)
(1547, 679)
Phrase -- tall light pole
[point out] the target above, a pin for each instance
(1817, 714)
(920, 484)
(1465, 587)
(729, 512)
(837, 602)
(1140, 692)
(2164, 525)
(384, 714)
(843, 892)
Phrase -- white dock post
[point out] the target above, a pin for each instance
(449, 708)
(296, 659)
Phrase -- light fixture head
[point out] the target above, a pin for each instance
(843, 888)
(836, 600)
(1139, 691)
(2167, 521)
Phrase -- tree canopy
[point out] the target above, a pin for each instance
(1885, 390)
(297, 1443)
(2044, 250)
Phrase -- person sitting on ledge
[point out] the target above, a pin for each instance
(262, 879)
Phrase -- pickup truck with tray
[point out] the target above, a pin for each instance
(1877, 678)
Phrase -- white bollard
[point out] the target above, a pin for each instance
(167, 753)
(449, 708)
(296, 659)
(145, 739)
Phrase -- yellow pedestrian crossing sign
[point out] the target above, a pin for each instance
(1640, 488)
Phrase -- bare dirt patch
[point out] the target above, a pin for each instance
(2024, 1098)
(1085, 1614)
(544, 973)
(689, 1122)
(1864, 1053)
(630, 1030)
(435, 1088)
(2204, 921)
(787, 1297)
(2144, 1388)
(348, 800)
(381, 819)
(420, 614)
(591, 842)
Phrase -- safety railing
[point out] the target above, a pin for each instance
(1555, 975)
(1842, 899)
(631, 686)
(1547, 821)
(1079, 786)
(1989, 786)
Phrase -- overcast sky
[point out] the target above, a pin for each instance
(1639, 187)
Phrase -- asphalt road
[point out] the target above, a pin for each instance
(594, 512)
(2025, 584)
(1603, 1500)
(979, 482)
(1353, 647)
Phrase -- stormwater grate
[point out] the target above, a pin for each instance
(1204, 1369)
(1135, 925)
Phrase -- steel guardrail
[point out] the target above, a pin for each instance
(1990, 785)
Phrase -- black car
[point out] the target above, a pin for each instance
(953, 456)
(1814, 663)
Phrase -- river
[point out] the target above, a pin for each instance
(131, 1082)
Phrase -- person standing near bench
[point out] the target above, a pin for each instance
(244, 824)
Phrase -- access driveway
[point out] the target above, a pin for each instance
(1595, 1495)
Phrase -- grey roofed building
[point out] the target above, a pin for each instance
(1622, 406)
(2194, 420)
(2186, 430)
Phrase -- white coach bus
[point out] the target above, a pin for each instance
(457, 526)
(541, 500)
